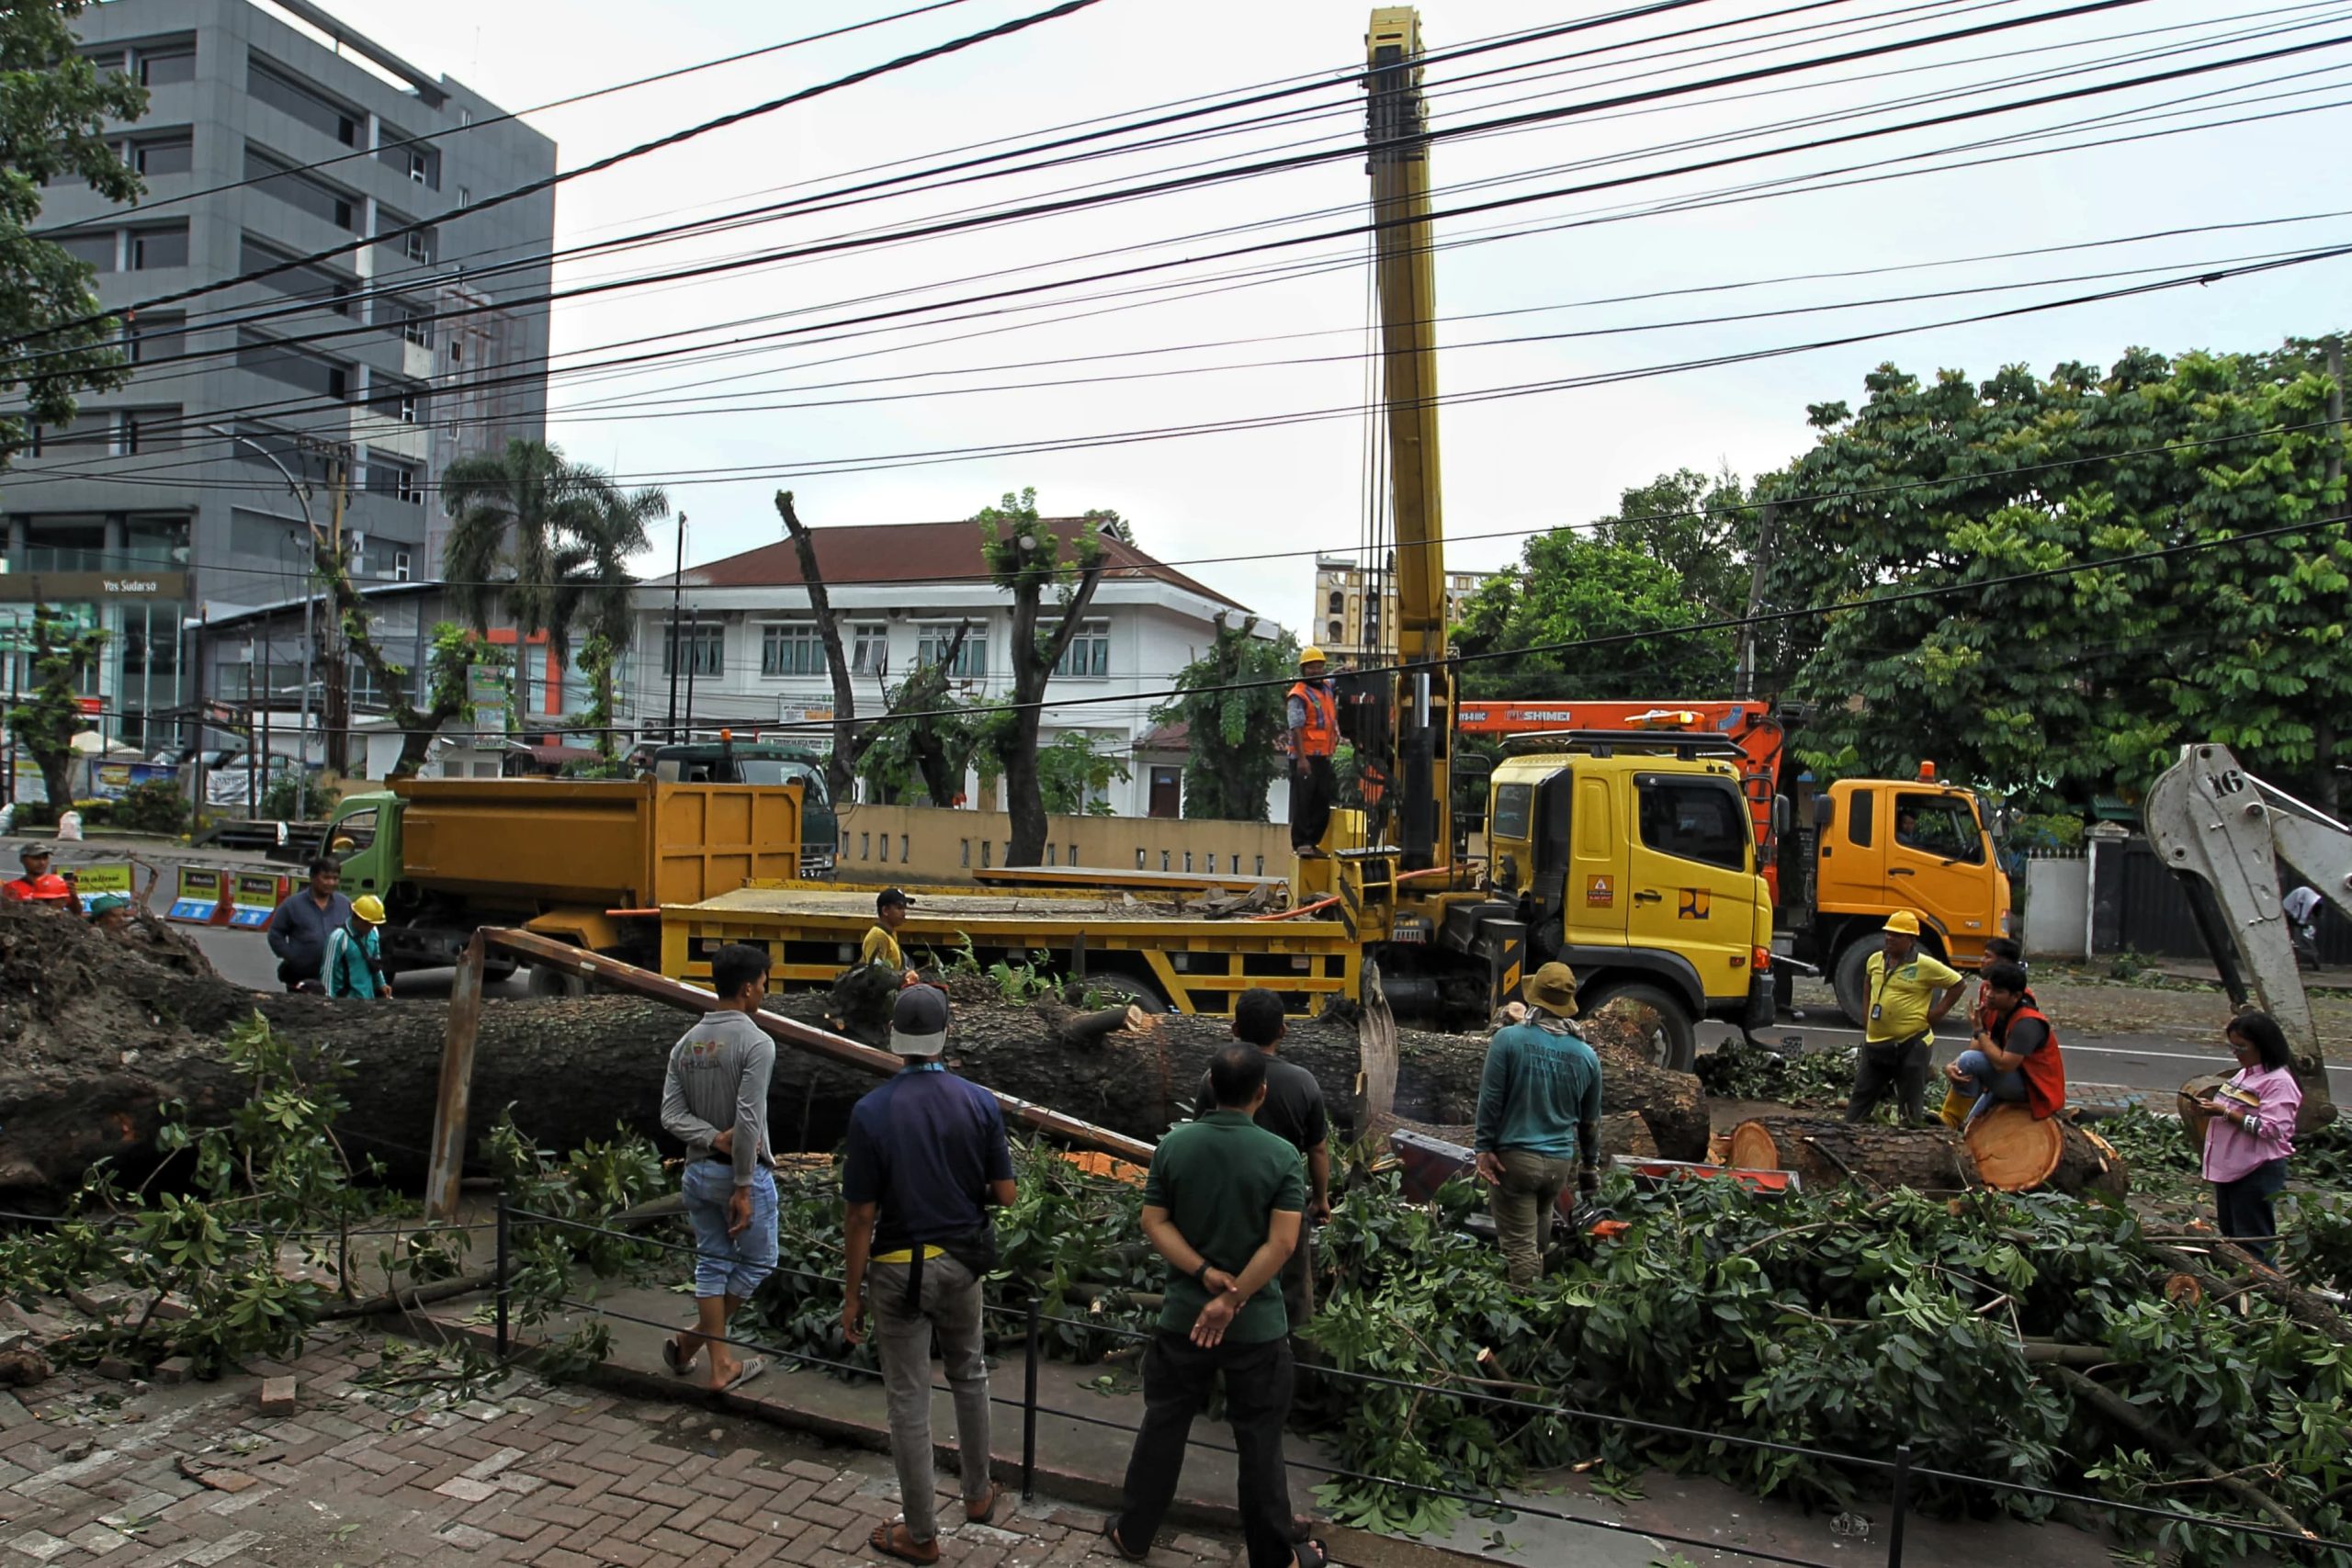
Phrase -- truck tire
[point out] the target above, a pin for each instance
(1851, 980)
(1674, 1042)
(543, 981)
(1115, 988)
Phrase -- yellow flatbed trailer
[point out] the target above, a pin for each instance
(1108, 942)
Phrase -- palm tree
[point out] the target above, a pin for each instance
(545, 540)
(594, 588)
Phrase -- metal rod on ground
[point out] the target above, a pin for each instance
(505, 1274)
(1902, 1505)
(570, 960)
(453, 1100)
(1029, 1407)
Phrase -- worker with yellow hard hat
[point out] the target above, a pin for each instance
(1907, 992)
(355, 964)
(1313, 727)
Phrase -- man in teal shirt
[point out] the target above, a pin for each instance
(1223, 1204)
(1539, 1116)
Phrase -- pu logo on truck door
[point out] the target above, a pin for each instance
(1695, 904)
(1598, 894)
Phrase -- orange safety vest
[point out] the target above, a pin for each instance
(1321, 735)
(2045, 1070)
(50, 888)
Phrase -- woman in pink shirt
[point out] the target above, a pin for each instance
(2252, 1129)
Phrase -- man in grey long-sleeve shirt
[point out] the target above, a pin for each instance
(714, 1100)
(299, 928)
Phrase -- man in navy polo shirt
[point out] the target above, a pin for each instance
(926, 1159)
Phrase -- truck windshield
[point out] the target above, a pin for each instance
(777, 771)
(1940, 824)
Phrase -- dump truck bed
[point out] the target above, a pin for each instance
(1178, 954)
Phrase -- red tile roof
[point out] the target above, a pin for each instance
(915, 553)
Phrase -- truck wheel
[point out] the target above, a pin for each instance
(1851, 978)
(496, 970)
(546, 982)
(1673, 1041)
(1115, 988)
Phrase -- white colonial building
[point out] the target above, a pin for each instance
(743, 651)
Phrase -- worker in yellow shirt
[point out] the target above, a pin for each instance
(1907, 992)
(881, 944)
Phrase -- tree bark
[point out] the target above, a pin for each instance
(1827, 1153)
(848, 745)
(97, 1034)
(1033, 666)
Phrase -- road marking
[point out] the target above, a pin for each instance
(2072, 1047)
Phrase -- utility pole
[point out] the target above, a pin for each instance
(335, 703)
(687, 652)
(677, 597)
(1743, 679)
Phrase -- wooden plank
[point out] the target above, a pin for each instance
(449, 1107)
(789, 1032)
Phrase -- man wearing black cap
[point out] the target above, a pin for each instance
(926, 1159)
(881, 945)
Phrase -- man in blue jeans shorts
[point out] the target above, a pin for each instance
(715, 1099)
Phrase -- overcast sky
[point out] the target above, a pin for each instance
(1511, 464)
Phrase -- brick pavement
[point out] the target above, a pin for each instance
(560, 1477)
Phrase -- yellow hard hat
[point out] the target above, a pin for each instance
(370, 908)
(1902, 923)
(1310, 655)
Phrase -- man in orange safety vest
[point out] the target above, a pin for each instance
(1314, 725)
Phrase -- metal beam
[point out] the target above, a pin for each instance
(806, 1037)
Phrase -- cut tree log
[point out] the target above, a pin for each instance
(1826, 1152)
(97, 1036)
(2015, 1151)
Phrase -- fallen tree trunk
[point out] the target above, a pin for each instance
(2129, 1419)
(96, 1039)
(2016, 1152)
(1826, 1152)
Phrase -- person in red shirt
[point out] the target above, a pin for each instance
(39, 884)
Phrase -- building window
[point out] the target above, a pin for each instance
(417, 245)
(694, 648)
(416, 326)
(267, 356)
(151, 338)
(465, 196)
(870, 652)
(400, 565)
(331, 289)
(791, 647)
(1338, 602)
(971, 659)
(1088, 656)
(173, 156)
(97, 249)
(151, 248)
(150, 430)
(283, 91)
(1337, 633)
(163, 67)
(281, 180)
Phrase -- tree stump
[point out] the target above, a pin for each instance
(1927, 1159)
(2016, 1152)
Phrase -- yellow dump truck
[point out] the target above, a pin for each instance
(587, 863)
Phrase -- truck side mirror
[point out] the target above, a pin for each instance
(1781, 815)
(1821, 804)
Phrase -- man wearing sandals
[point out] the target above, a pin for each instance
(1223, 1204)
(714, 1100)
(926, 1159)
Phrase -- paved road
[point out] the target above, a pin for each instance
(243, 958)
(2155, 1064)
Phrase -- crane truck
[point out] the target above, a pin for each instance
(1629, 855)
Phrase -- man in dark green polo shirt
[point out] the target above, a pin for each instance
(1223, 1204)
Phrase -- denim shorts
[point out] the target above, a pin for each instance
(729, 1265)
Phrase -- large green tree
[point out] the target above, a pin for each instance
(2087, 680)
(1231, 700)
(48, 714)
(546, 542)
(54, 105)
(1571, 587)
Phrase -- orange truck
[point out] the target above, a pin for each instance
(1838, 860)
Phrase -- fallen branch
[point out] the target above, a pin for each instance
(2123, 1414)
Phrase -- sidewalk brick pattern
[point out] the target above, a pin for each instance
(575, 1479)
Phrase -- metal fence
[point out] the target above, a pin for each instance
(2137, 905)
(1899, 1468)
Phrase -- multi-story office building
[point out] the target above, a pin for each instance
(164, 501)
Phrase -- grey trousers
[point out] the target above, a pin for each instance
(951, 1306)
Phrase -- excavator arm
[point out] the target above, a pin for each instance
(2223, 831)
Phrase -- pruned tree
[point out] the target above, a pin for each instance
(850, 742)
(47, 718)
(927, 736)
(1231, 700)
(1026, 556)
(1074, 771)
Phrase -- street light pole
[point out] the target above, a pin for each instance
(310, 596)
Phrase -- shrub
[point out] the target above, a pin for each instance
(157, 807)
